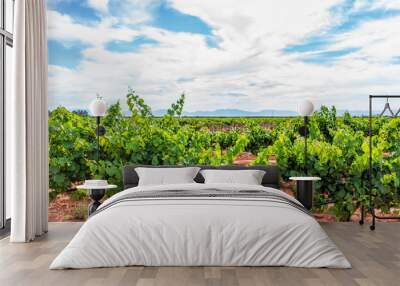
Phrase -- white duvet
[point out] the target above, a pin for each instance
(200, 231)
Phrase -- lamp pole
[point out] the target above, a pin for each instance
(305, 143)
(100, 131)
(98, 108)
(98, 138)
(305, 109)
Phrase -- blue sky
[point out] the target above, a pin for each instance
(334, 52)
(164, 17)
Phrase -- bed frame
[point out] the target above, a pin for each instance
(270, 179)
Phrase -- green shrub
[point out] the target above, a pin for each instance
(140, 138)
(338, 153)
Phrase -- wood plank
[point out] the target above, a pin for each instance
(375, 257)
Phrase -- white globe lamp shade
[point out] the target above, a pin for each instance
(98, 107)
(305, 108)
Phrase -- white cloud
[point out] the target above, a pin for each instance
(387, 4)
(64, 28)
(272, 23)
(99, 5)
(134, 12)
(378, 40)
(249, 59)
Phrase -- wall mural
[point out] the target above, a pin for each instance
(229, 58)
(225, 55)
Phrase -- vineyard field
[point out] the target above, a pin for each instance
(338, 149)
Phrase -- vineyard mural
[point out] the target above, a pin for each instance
(338, 149)
(209, 79)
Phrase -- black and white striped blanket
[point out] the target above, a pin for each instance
(205, 194)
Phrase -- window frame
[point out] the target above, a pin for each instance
(6, 39)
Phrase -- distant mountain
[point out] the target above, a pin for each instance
(242, 113)
(245, 113)
(357, 113)
(233, 113)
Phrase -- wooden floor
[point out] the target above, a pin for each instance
(375, 257)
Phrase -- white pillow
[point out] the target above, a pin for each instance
(166, 176)
(248, 177)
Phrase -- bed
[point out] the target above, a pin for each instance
(198, 224)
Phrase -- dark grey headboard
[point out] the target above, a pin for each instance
(271, 177)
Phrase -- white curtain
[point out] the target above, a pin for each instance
(27, 148)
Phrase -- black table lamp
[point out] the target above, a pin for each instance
(305, 109)
(98, 109)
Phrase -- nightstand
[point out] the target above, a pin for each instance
(97, 190)
(305, 190)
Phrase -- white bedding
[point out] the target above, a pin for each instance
(200, 231)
